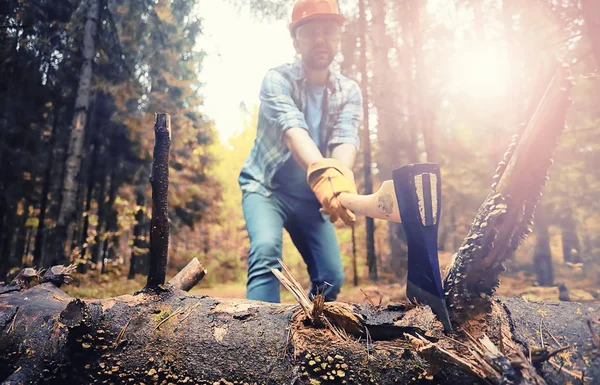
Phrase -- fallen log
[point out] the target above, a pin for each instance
(173, 337)
(163, 335)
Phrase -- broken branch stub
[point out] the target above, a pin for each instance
(506, 215)
(159, 225)
(189, 276)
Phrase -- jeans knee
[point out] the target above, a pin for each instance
(266, 248)
(263, 257)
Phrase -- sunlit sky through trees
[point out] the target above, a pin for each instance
(240, 49)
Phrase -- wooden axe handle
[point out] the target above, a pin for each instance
(381, 204)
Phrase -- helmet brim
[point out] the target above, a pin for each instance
(317, 16)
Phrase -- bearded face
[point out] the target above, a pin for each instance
(317, 42)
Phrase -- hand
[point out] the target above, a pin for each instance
(328, 178)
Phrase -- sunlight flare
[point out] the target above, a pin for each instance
(478, 70)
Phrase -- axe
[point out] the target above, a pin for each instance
(413, 197)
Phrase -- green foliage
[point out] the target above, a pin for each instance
(429, 94)
(146, 62)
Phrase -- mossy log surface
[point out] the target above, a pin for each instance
(173, 337)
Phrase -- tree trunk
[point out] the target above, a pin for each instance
(111, 240)
(74, 154)
(570, 241)
(159, 225)
(38, 250)
(5, 241)
(92, 174)
(96, 249)
(49, 337)
(366, 139)
(144, 257)
(391, 136)
(398, 261)
(112, 225)
(422, 107)
(25, 258)
(505, 217)
(21, 238)
(104, 259)
(109, 220)
(591, 15)
(354, 263)
(73, 251)
(138, 246)
(542, 257)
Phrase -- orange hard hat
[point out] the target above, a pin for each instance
(306, 10)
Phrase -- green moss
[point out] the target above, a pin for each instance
(161, 315)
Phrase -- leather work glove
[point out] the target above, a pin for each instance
(328, 178)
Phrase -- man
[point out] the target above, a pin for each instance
(305, 146)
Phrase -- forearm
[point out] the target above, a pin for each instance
(303, 148)
(345, 153)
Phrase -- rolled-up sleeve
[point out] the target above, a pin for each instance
(277, 104)
(345, 129)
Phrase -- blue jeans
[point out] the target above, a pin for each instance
(313, 235)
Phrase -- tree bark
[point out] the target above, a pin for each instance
(49, 337)
(366, 139)
(74, 154)
(570, 241)
(395, 146)
(542, 257)
(189, 276)
(354, 258)
(16, 257)
(111, 240)
(97, 247)
(591, 15)
(38, 250)
(422, 107)
(159, 226)
(505, 217)
(138, 243)
(144, 257)
(5, 239)
(92, 174)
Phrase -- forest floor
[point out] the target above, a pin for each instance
(519, 280)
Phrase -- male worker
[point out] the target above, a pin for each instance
(305, 146)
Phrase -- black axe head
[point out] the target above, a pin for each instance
(418, 192)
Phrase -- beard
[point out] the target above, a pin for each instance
(319, 58)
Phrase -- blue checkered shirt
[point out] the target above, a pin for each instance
(283, 104)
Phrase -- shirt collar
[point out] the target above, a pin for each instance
(333, 83)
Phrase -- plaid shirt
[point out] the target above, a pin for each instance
(283, 104)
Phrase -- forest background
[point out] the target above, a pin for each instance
(443, 81)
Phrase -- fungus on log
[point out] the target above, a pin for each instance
(174, 337)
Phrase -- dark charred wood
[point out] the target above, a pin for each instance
(159, 226)
(24, 278)
(189, 276)
(506, 215)
(179, 338)
(58, 275)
